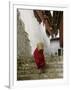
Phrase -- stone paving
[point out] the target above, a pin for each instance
(26, 69)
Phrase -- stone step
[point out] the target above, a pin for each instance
(40, 76)
(33, 66)
(47, 59)
(32, 61)
(34, 71)
(54, 62)
(26, 69)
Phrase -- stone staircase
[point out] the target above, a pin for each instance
(26, 68)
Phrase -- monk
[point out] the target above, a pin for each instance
(39, 57)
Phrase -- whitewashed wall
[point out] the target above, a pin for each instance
(54, 46)
(35, 30)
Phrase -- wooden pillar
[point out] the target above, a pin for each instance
(61, 32)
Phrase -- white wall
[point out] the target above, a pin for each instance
(54, 46)
(35, 30)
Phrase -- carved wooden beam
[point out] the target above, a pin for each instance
(42, 17)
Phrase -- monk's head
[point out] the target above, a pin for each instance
(40, 46)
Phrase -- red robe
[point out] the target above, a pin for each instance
(39, 58)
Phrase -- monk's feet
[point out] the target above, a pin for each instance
(41, 71)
